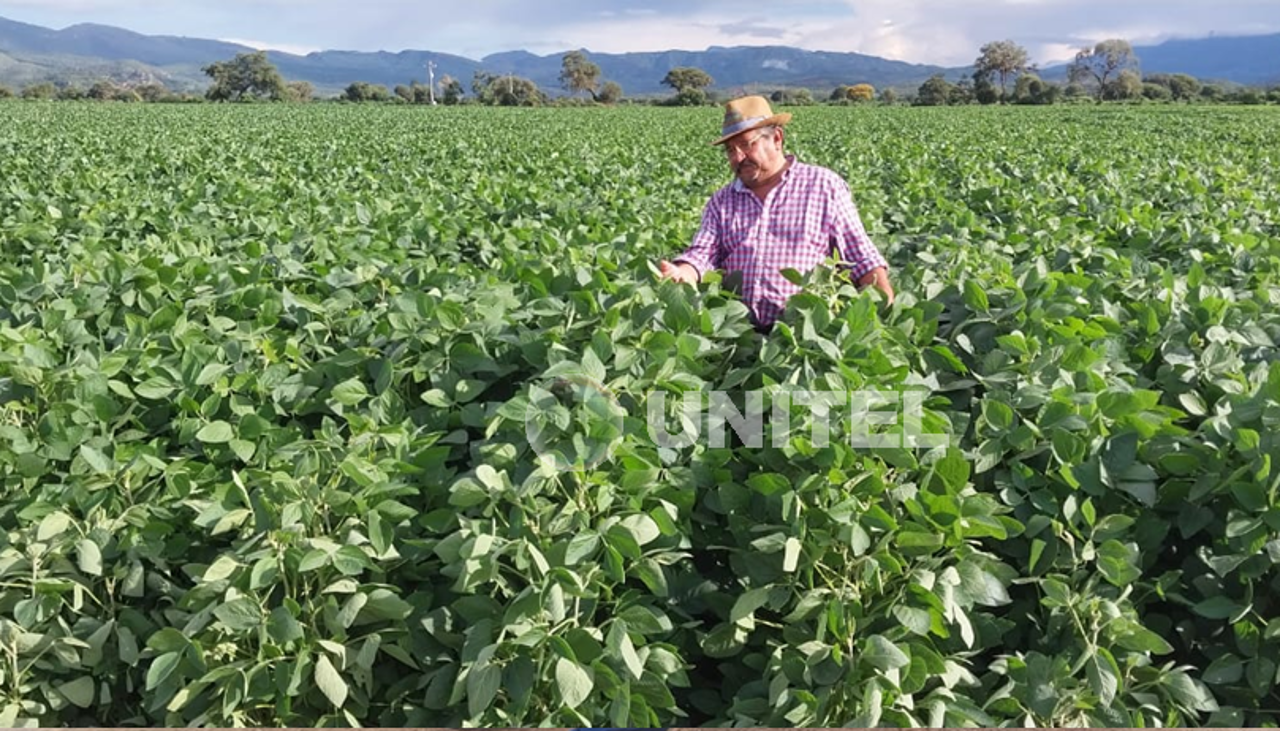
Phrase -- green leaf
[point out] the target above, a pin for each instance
(223, 567)
(1218, 607)
(883, 654)
(161, 668)
(980, 587)
(216, 432)
(581, 547)
(53, 525)
(1190, 692)
(155, 389)
(643, 528)
(282, 626)
(954, 470)
(97, 461)
(1104, 679)
(330, 682)
(914, 619)
(1118, 563)
(975, 297)
(619, 643)
(350, 392)
(79, 691)
(89, 557)
(574, 683)
(483, 683)
(211, 373)
(240, 615)
(1137, 638)
(748, 602)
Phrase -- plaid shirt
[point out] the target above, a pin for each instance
(807, 217)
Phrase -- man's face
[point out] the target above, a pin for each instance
(755, 156)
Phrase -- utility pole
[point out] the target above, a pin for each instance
(431, 81)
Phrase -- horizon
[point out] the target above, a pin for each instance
(929, 34)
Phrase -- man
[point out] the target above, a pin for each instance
(777, 214)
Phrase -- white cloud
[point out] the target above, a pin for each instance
(296, 50)
(922, 31)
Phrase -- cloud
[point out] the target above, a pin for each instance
(296, 50)
(923, 31)
(752, 28)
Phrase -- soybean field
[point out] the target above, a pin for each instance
(295, 426)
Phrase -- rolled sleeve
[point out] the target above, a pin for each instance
(703, 253)
(857, 253)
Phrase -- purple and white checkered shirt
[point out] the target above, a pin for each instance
(807, 217)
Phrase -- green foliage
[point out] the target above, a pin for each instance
(1002, 59)
(265, 375)
(39, 91)
(363, 91)
(451, 91)
(935, 92)
(792, 97)
(610, 93)
(686, 79)
(506, 91)
(578, 74)
(245, 77)
(1100, 66)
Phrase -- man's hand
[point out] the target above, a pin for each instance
(880, 278)
(682, 272)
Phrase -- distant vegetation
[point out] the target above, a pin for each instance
(1109, 71)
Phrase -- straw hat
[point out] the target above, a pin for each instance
(748, 113)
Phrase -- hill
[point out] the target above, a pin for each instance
(85, 52)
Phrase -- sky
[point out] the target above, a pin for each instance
(943, 32)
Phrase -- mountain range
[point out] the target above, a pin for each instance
(84, 53)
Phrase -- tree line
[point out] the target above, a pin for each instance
(1003, 74)
(1107, 71)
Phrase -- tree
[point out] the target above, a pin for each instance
(1126, 85)
(862, 92)
(1098, 65)
(102, 91)
(984, 91)
(403, 92)
(363, 91)
(5, 92)
(152, 92)
(450, 90)
(1156, 92)
(39, 91)
(579, 74)
(934, 93)
(1002, 59)
(687, 78)
(300, 91)
(792, 97)
(247, 76)
(1075, 90)
(506, 91)
(888, 96)
(610, 93)
(961, 93)
(1028, 89)
(1184, 87)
